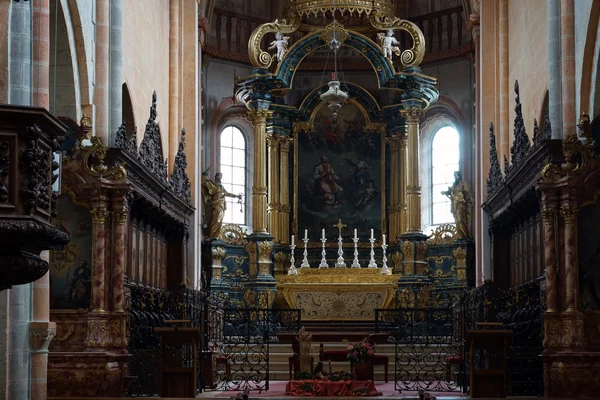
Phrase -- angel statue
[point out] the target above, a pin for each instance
(213, 194)
(281, 44)
(388, 43)
(461, 201)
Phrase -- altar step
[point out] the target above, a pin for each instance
(339, 326)
(279, 356)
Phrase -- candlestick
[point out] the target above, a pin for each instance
(372, 263)
(306, 234)
(323, 263)
(292, 270)
(340, 263)
(355, 263)
(322, 233)
(384, 268)
(382, 236)
(305, 263)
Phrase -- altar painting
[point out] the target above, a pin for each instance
(589, 256)
(339, 169)
(71, 267)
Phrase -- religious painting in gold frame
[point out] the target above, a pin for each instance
(339, 173)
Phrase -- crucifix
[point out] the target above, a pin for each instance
(340, 261)
(340, 226)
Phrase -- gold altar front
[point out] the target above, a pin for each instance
(337, 294)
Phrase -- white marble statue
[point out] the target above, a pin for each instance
(281, 44)
(388, 43)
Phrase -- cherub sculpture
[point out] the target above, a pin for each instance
(281, 44)
(388, 43)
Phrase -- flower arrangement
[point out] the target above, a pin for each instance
(360, 352)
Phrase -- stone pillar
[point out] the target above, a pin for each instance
(259, 189)
(549, 208)
(116, 66)
(568, 212)
(173, 81)
(567, 36)
(120, 210)
(411, 169)
(101, 87)
(503, 121)
(554, 69)
(20, 53)
(41, 54)
(402, 200)
(99, 218)
(273, 191)
(285, 142)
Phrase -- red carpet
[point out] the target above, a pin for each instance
(278, 389)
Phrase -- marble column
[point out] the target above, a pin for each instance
(99, 219)
(102, 57)
(411, 169)
(116, 66)
(259, 188)
(503, 121)
(554, 69)
(549, 209)
(121, 214)
(285, 143)
(394, 208)
(173, 81)
(402, 200)
(273, 191)
(40, 87)
(567, 56)
(568, 212)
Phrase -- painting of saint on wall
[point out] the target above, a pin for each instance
(339, 175)
(589, 256)
(71, 267)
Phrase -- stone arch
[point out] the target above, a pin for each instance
(589, 93)
(301, 49)
(312, 101)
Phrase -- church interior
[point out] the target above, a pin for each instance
(312, 198)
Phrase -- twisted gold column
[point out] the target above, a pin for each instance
(394, 208)
(285, 143)
(273, 192)
(411, 167)
(259, 188)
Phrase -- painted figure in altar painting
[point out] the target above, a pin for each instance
(461, 200)
(214, 195)
(79, 287)
(327, 183)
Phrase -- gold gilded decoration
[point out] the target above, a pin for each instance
(406, 298)
(409, 57)
(321, 7)
(70, 330)
(93, 162)
(238, 260)
(233, 234)
(460, 254)
(335, 30)
(569, 214)
(259, 117)
(443, 234)
(412, 115)
(218, 254)
(421, 247)
(280, 259)
(116, 333)
(252, 260)
(303, 126)
(99, 215)
(260, 58)
(264, 250)
(397, 260)
(407, 248)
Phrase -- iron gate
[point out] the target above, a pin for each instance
(428, 336)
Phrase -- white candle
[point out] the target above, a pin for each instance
(306, 234)
(372, 234)
(323, 233)
(355, 237)
(381, 235)
(292, 239)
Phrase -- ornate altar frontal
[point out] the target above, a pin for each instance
(337, 294)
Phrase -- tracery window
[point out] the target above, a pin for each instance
(445, 156)
(233, 167)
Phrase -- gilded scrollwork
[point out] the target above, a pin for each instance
(93, 162)
(233, 234)
(260, 58)
(444, 234)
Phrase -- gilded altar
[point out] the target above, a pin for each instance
(337, 294)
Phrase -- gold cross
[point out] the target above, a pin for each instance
(339, 225)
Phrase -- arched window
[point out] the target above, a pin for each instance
(445, 156)
(233, 168)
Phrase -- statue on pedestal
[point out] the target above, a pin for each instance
(461, 200)
(213, 194)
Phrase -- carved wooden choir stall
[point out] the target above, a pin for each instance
(129, 226)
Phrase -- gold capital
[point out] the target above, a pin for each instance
(412, 115)
(260, 116)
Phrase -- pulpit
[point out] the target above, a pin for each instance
(488, 350)
(178, 374)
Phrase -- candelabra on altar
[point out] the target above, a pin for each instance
(305, 263)
(355, 263)
(340, 263)
(323, 263)
(372, 263)
(384, 268)
(292, 270)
